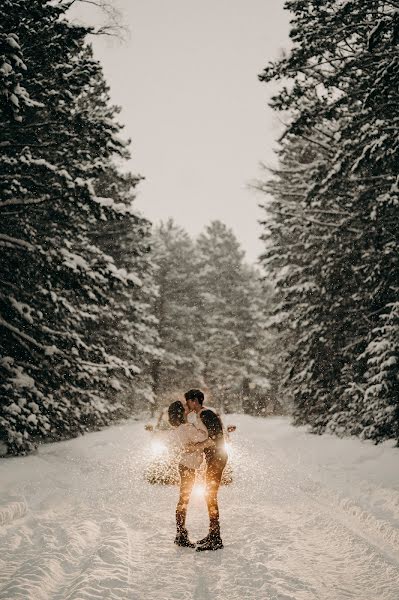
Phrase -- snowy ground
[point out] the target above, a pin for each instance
(306, 518)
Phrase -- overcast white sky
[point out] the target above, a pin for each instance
(186, 79)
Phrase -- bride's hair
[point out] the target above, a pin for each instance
(176, 414)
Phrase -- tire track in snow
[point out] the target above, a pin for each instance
(40, 560)
(105, 573)
(84, 560)
(12, 511)
(376, 531)
(319, 523)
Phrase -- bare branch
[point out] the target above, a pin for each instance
(114, 23)
(322, 223)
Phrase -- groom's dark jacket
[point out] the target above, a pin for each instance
(214, 426)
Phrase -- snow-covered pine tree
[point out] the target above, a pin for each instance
(343, 104)
(210, 308)
(57, 286)
(133, 330)
(228, 331)
(260, 357)
(300, 241)
(13, 96)
(176, 308)
(380, 415)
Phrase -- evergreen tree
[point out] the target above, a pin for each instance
(210, 309)
(221, 299)
(132, 331)
(178, 368)
(260, 391)
(334, 214)
(59, 291)
(231, 340)
(380, 416)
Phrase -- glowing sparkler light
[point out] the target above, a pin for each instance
(158, 448)
(199, 490)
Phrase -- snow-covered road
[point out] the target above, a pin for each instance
(306, 518)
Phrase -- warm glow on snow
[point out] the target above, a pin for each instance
(229, 449)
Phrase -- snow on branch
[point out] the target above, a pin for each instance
(48, 350)
(11, 242)
(118, 207)
(20, 202)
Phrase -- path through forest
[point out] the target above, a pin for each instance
(306, 518)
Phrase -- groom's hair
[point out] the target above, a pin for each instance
(176, 413)
(195, 395)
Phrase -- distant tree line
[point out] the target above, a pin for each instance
(211, 309)
(331, 225)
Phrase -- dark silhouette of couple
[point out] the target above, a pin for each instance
(193, 440)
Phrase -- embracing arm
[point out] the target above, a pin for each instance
(197, 436)
(214, 428)
(198, 440)
(208, 443)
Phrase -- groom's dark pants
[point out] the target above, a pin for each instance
(187, 478)
(214, 471)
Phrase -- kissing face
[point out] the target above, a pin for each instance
(190, 405)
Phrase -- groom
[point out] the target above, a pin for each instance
(216, 459)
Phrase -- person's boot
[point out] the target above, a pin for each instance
(182, 539)
(213, 535)
(204, 540)
(214, 542)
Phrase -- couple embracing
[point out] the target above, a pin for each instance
(193, 440)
